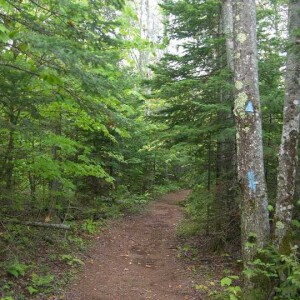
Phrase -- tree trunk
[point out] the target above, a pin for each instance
(10, 160)
(209, 167)
(8, 164)
(247, 111)
(290, 133)
(227, 24)
(225, 147)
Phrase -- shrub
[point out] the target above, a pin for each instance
(275, 275)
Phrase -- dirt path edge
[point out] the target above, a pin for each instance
(135, 258)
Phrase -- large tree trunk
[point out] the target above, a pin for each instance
(247, 111)
(290, 133)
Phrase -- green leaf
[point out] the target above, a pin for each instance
(41, 281)
(13, 272)
(232, 297)
(248, 273)
(296, 223)
(50, 77)
(226, 281)
(17, 269)
(249, 245)
(32, 290)
(3, 28)
(4, 5)
(4, 36)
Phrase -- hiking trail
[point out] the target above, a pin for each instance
(135, 258)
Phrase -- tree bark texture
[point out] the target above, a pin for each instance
(227, 24)
(40, 224)
(290, 133)
(247, 111)
(225, 152)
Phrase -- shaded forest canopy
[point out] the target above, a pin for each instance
(106, 104)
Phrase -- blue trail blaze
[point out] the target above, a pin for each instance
(249, 107)
(251, 181)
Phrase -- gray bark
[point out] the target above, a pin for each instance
(227, 22)
(254, 204)
(40, 224)
(225, 147)
(290, 133)
(151, 27)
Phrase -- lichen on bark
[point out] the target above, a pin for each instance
(254, 212)
(239, 85)
(240, 104)
(242, 37)
(290, 134)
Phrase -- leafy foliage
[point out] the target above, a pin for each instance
(275, 275)
(17, 269)
(75, 144)
(81, 140)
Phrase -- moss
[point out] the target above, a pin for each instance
(285, 246)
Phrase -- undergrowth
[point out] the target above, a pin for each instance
(37, 262)
(197, 211)
(272, 275)
(212, 269)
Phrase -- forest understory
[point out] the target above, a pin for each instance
(105, 105)
(141, 255)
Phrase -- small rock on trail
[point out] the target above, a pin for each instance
(135, 259)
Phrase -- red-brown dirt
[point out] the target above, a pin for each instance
(135, 259)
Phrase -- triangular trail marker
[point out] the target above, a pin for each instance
(249, 107)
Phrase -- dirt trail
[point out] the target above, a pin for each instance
(136, 259)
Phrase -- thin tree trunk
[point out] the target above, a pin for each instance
(8, 165)
(247, 111)
(290, 134)
(224, 145)
(10, 159)
(209, 165)
(227, 24)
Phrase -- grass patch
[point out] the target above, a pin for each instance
(188, 228)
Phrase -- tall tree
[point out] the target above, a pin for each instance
(68, 101)
(290, 132)
(225, 168)
(247, 110)
(227, 24)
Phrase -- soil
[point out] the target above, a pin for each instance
(136, 259)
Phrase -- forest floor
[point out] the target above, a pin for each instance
(137, 258)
